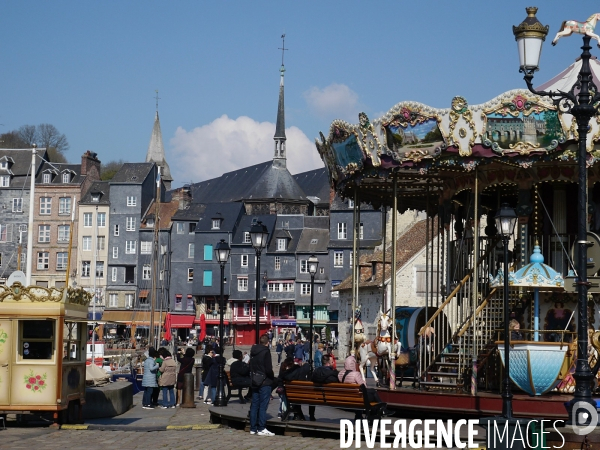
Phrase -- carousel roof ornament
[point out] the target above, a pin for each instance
(536, 274)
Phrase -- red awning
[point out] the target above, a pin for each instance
(181, 321)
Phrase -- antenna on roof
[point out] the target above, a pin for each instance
(157, 99)
(282, 48)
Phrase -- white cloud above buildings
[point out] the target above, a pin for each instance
(228, 144)
(336, 101)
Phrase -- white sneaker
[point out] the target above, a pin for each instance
(253, 432)
(265, 432)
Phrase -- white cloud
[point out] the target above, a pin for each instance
(336, 101)
(229, 144)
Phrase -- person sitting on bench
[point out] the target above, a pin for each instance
(239, 373)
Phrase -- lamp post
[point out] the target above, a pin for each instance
(581, 102)
(258, 236)
(506, 219)
(222, 253)
(313, 263)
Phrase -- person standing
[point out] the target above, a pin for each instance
(299, 352)
(186, 365)
(279, 350)
(167, 379)
(318, 356)
(149, 378)
(207, 362)
(263, 378)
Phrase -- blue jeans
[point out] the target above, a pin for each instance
(171, 392)
(212, 393)
(147, 400)
(201, 391)
(258, 410)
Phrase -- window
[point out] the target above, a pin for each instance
(115, 252)
(87, 243)
(130, 224)
(190, 274)
(95, 197)
(247, 239)
(244, 260)
(146, 247)
(45, 205)
(192, 227)
(87, 220)
(350, 203)
(114, 274)
(128, 301)
(281, 244)
(63, 233)
(305, 288)
(350, 259)
(146, 271)
(242, 283)
(191, 249)
(100, 242)
(150, 223)
(275, 310)
(342, 232)
(4, 165)
(216, 224)
(423, 282)
(64, 205)
(101, 220)
(246, 309)
(303, 266)
(116, 230)
(129, 275)
(131, 201)
(322, 270)
(178, 302)
(278, 263)
(66, 178)
(361, 232)
(338, 259)
(207, 278)
(320, 289)
(61, 260)
(100, 269)
(208, 252)
(4, 181)
(46, 178)
(130, 247)
(281, 287)
(292, 311)
(190, 303)
(17, 205)
(44, 233)
(6, 233)
(254, 309)
(86, 267)
(180, 228)
(112, 300)
(36, 341)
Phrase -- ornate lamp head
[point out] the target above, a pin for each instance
(530, 35)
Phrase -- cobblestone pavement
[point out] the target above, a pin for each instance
(221, 438)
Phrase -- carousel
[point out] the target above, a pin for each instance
(524, 150)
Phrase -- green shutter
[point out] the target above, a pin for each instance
(208, 252)
(207, 280)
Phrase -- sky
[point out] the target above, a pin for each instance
(91, 68)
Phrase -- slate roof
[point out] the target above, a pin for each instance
(245, 224)
(315, 183)
(97, 186)
(21, 160)
(228, 212)
(313, 241)
(347, 243)
(407, 246)
(57, 170)
(294, 238)
(276, 183)
(156, 151)
(133, 173)
(316, 222)
(280, 126)
(190, 214)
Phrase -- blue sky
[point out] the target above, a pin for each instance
(91, 69)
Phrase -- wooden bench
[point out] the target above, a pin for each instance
(231, 387)
(338, 395)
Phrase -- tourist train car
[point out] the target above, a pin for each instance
(42, 350)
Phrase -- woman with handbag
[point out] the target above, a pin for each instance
(186, 365)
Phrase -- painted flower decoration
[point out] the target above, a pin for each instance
(519, 101)
(35, 383)
(405, 112)
(459, 104)
(3, 339)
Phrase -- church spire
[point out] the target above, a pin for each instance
(279, 159)
(156, 151)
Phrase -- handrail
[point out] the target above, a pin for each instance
(477, 311)
(455, 291)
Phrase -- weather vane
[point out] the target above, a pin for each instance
(282, 48)
(157, 99)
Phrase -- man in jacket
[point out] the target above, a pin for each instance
(326, 373)
(207, 361)
(239, 372)
(263, 378)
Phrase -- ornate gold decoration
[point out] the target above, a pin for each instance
(524, 148)
(368, 139)
(531, 26)
(462, 133)
(460, 108)
(416, 155)
(18, 292)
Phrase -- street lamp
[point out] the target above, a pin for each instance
(506, 219)
(581, 101)
(222, 254)
(313, 263)
(258, 236)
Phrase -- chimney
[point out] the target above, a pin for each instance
(89, 160)
(183, 195)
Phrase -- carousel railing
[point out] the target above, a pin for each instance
(441, 357)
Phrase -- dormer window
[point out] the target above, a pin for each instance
(66, 177)
(281, 244)
(46, 178)
(95, 198)
(4, 165)
(350, 203)
(216, 224)
(150, 223)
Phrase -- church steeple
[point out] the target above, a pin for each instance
(279, 159)
(156, 151)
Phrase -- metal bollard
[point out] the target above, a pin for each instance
(198, 377)
(188, 391)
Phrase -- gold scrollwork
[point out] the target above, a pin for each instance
(460, 108)
(462, 133)
(524, 148)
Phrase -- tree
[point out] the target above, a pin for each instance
(109, 169)
(49, 137)
(44, 135)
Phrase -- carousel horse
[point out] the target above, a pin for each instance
(380, 348)
(569, 27)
